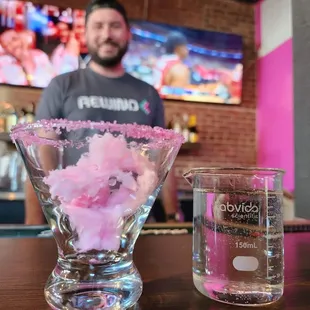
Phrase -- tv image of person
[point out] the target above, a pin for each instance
(84, 57)
(102, 92)
(21, 63)
(170, 69)
(65, 57)
(236, 83)
(79, 32)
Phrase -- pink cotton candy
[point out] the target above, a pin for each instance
(70, 183)
(110, 150)
(96, 230)
(107, 184)
(123, 199)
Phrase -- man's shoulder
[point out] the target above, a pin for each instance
(68, 76)
(142, 85)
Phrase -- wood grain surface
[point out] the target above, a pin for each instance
(164, 263)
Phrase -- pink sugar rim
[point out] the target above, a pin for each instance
(160, 136)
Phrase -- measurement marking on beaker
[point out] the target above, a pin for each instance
(245, 245)
(273, 256)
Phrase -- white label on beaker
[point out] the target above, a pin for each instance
(245, 263)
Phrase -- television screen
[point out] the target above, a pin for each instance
(38, 42)
(187, 64)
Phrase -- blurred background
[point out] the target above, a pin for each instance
(234, 107)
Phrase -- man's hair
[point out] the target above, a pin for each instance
(109, 4)
(174, 39)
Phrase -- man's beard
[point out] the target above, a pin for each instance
(109, 62)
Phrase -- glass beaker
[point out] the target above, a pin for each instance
(238, 234)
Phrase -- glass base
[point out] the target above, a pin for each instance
(83, 286)
(239, 294)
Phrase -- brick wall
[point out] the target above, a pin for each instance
(227, 133)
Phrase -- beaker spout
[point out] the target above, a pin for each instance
(189, 177)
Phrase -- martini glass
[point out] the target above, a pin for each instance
(96, 183)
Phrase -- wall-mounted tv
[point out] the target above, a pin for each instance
(187, 64)
(38, 42)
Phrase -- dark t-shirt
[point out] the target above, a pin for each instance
(87, 95)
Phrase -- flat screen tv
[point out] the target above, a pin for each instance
(187, 64)
(38, 42)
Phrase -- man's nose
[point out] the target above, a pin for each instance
(106, 32)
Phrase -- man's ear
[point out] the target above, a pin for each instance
(129, 34)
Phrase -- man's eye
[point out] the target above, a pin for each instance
(115, 25)
(97, 26)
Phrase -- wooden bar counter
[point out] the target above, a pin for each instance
(164, 262)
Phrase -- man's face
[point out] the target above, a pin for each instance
(63, 31)
(182, 51)
(28, 38)
(13, 43)
(107, 37)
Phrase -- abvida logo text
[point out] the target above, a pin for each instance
(236, 208)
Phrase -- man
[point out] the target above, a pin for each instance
(102, 91)
(170, 69)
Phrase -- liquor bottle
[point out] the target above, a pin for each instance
(170, 124)
(192, 127)
(177, 125)
(27, 114)
(185, 130)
